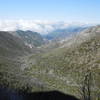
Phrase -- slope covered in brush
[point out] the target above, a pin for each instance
(64, 68)
(13, 53)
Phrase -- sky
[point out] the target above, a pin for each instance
(52, 10)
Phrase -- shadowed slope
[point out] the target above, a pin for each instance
(6, 94)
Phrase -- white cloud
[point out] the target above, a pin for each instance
(43, 27)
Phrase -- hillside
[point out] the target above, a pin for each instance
(13, 53)
(11, 45)
(60, 68)
(64, 68)
(10, 49)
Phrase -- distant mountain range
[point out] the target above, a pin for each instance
(66, 32)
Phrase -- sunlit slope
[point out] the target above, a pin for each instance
(64, 68)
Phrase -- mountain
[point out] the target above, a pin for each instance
(61, 65)
(30, 38)
(11, 46)
(13, 56)
(65, 32)
(65, 67)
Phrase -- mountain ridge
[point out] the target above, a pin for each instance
(30, 38)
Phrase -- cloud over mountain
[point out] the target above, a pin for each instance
(43, 27)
